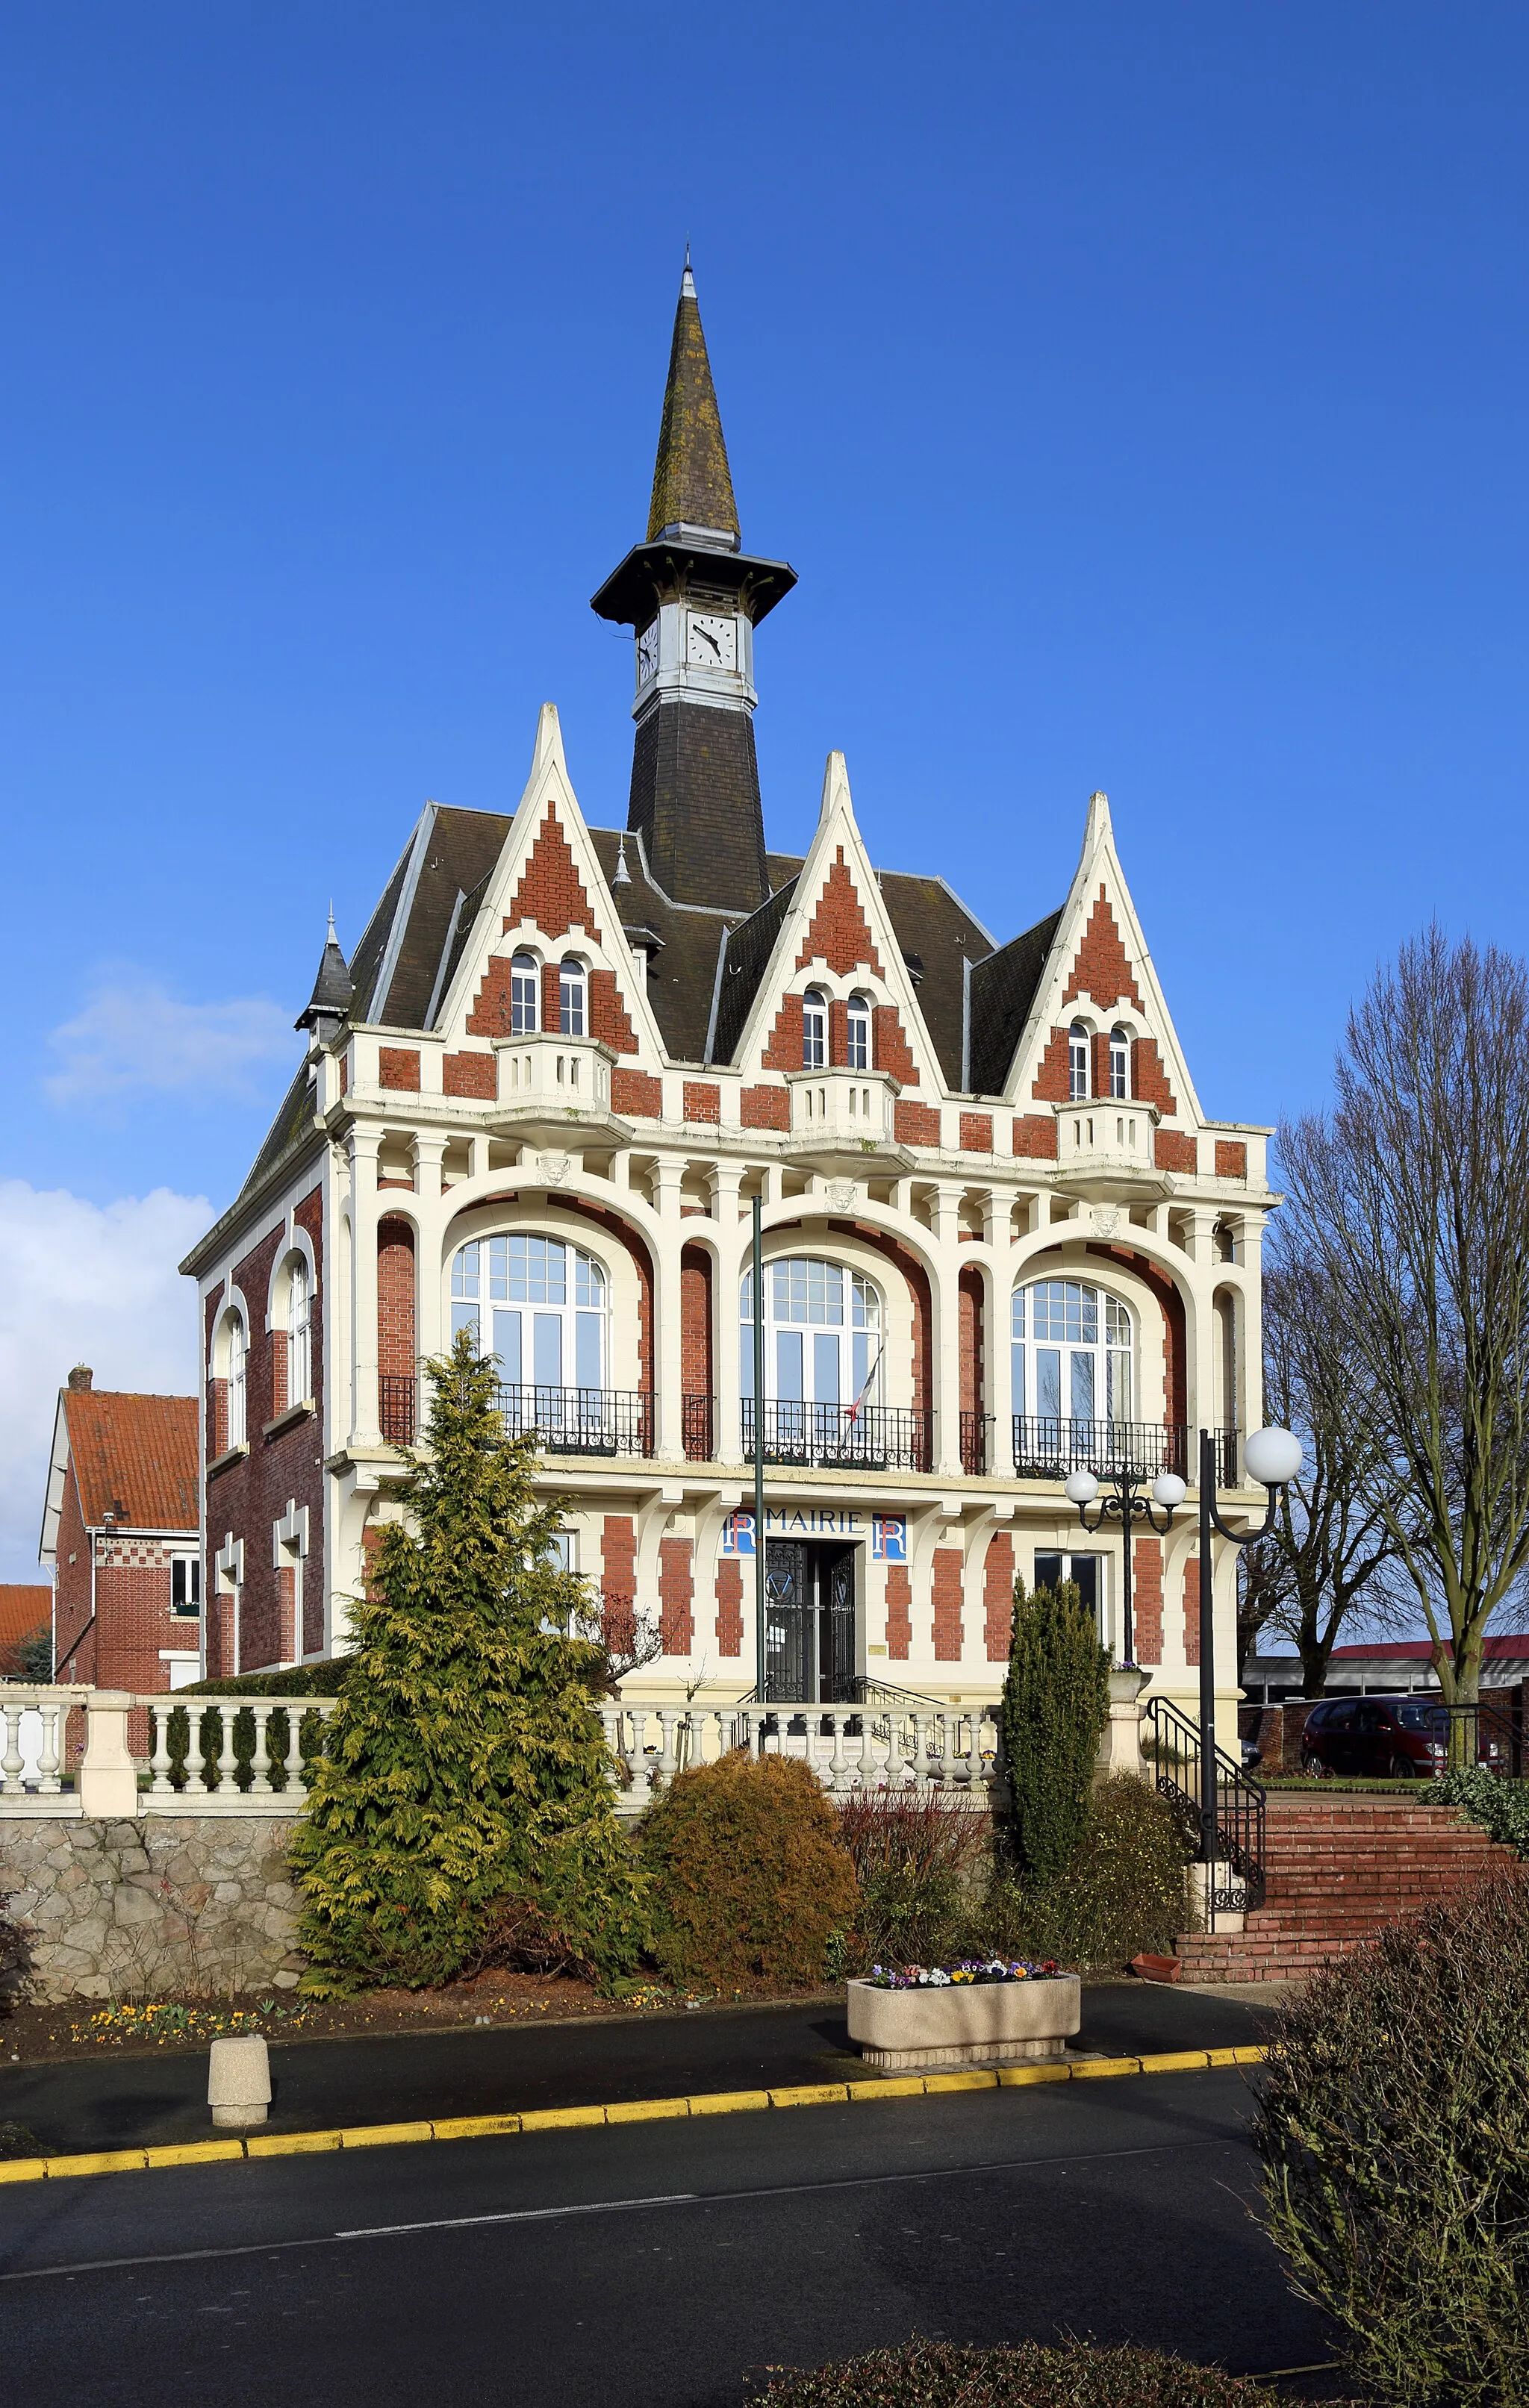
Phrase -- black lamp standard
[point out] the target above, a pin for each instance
(1126, 1505)
(1273, 1457)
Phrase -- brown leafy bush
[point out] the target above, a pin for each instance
(1122, 1896)
(15, 1960)
(1394, 2132)
(751, 1882)
(940, 2374)
(914, 1858)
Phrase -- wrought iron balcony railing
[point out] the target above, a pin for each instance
(580, 1421)
(842, 1438)
(396, 1399)
(701, 1429)
(976, 1443)
(1046, 1447)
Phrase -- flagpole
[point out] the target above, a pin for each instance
(761, 1668)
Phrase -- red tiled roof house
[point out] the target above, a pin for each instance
(119, 1535)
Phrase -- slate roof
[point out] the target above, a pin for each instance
(1003, 991)
(136, 1452)
(692, 483)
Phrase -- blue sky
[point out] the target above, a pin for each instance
(1138, 392)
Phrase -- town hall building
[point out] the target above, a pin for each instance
(538, 1101)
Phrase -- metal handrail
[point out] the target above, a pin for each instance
(580, 1421)
(1241, 1808)
(849, 1437)
(1048, 1446)
(397, 1393)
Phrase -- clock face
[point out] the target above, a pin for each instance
(647, 652)
(712, 643)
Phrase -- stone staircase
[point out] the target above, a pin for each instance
(1338, 1870)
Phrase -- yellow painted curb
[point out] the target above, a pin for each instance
(622, 2111)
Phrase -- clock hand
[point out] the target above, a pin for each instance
(707, 638)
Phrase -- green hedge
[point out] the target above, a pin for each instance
(941, 2374)
(324, 1680)
(1501, 1807)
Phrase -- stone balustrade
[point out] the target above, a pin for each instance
(67, 1750)
(870, 1747)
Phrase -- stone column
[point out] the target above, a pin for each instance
(366, 1427)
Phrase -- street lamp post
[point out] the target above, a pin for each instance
(1273, 1457)
(1126, 1505)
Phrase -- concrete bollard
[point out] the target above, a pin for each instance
(238, 2080)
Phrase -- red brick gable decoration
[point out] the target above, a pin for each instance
(783, 1050)
(838, 934)
(1052, 1083)
(608, 1019)
(551, 893)
(474, 1075)
(1099, 966)
(892, 1050)
(1148, 1079)
(1230, 1158)
(398, 1065)
(1035, 1139)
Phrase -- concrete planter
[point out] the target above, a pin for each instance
(971, 2023)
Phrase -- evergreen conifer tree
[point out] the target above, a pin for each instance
(464, 1793)
(1056, 1702)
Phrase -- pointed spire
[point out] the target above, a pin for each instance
(835, 786)
(692, 484)
(623, 876)
(333, 991)
(549, 740)
(1098, 831)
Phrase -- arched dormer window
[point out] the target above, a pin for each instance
(572, 1000)
(524, 980)
(814, 1030)
(858, 1040)
(1078, 1062)
(235, 1357)
(1119, 1065)
(299, 1333)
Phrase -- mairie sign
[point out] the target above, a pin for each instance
(888, 1532)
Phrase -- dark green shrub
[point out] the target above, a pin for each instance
(325, 1680)
(914, 1858)
(464, 1801)
(1394, 2132)
(941, 2375)
(1056, 1703)
(1500, 1807)
(751, 1882)
(1123, 1894)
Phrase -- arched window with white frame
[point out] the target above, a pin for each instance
(1078, 1063)
(1119, 1065)
(299, 1332)
(814, 1030)
(525, 995)
(857, 1037)
(572, 999)
(1073, 1369)
(540, 1306)
(235, 1354)
(823, 1339)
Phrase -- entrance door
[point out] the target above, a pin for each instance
(835, 1624)
(809, 1622)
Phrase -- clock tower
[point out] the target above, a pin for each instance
(693, 598)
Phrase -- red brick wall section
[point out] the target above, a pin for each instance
(132, 1617)
(976, 1132)
(608, 1019)
(396, 1343)
(216, 1400)
(899, 1613)
(838, 1031)
(947, 1605)
(1052, 1083)
(765, 1108)
(551, 893)
(729, 1606)
(1175, 1342)
(913, 1272)
(889, 1047)
(254, 1491)
(618, 1579)
(625, 1236)
(696, 1321)
(1146, 1602)
(470, 1074)
(1148, 1079)
(1191, 1609)
(783, 1050)
(636, 1096)
(1101, 967)
(1175, 1150)
(1034, 1139)
(1230, 1158)
(837, 934)
(490, 1012)
(702, 1102)
(398, 1065)
(916, 1124)
(72, 1593)
(676, 1597)
(973, 1381)
(998, 1595)
(552, 1005)
(1099, 1073)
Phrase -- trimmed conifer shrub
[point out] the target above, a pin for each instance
(462, 1809)
(1056, 1703)
(1122, 1893)
(1394, 2127)
(1028, 2374)
(751, 1882)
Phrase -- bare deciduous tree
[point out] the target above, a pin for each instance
(1413, 1194)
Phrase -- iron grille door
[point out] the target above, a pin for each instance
(836, 1624)
(789, 1668)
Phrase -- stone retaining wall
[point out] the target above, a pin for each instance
(178, 1903)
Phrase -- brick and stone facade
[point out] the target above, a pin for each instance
(121, 1537)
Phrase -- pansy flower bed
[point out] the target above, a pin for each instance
(971, 1968)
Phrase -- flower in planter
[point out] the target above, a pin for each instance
(971, 1968)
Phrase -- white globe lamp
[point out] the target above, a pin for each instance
(1273, 1457)
(1168, 1490)
(1081, 1487)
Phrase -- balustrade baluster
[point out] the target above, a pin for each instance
(921, 1742)
(227, 1786)
(642, 1791)
(669, 1762)
(12, 1760)
(160, 1709)
(260, 1763)
(838, 1761)
(610, 1725)
(974, 1754)
(51, 1755)
(949, 1732)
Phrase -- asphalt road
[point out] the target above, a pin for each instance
(670, 2262)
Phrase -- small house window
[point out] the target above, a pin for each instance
(814, 1030)
(235, 1380)
(1078, 1062)
(299, 1335)
(571, 1014)
(524, 982)
(1119, 1064)
(858, 1040)
(185, 1584)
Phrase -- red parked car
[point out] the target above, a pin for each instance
(1375, 1738)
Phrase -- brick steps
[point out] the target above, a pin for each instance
(1338, 1871)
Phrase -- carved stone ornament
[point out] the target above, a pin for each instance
(555, 1169)
(841, 1194)
(1106, 1220)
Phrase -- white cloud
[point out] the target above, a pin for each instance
(82, 1283)
(135, 1036)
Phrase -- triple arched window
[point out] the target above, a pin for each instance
(822, 1334)
(1073, 1354)
(540, 1306)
